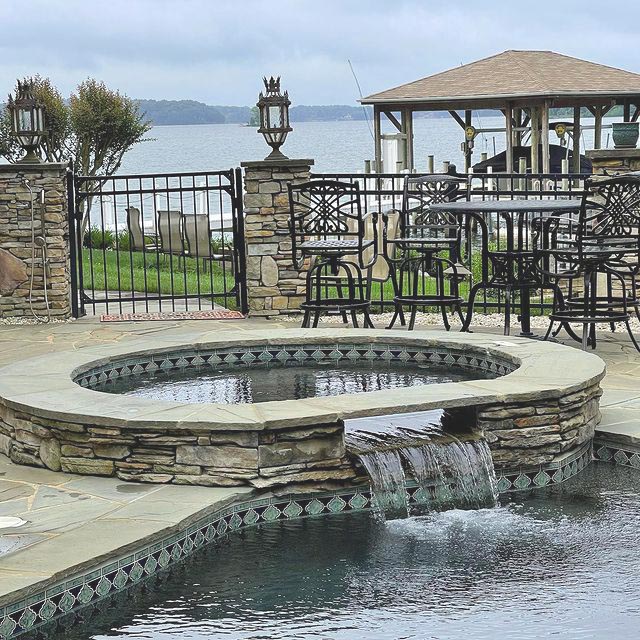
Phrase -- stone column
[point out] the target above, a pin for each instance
(614, 160)
(16, 253)
(274, 285)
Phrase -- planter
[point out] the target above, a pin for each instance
(625, 134)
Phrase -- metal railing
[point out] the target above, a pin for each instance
(383, 193)
(161, 242)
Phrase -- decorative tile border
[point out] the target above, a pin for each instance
(269, 355)
(113, 577)
(554, 473)
(626, 455)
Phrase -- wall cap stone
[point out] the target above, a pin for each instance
(288, 162)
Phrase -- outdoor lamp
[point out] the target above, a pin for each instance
(274, 117)
(27, 120)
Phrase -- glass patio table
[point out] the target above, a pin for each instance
(513, 265)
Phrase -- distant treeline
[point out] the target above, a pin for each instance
(165, 112)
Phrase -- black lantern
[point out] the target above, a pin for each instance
(274, 117)
(27, 120)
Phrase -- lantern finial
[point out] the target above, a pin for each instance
(274, 116)
(27, 119)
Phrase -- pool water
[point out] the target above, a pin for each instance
(262, 384)
(561, 562)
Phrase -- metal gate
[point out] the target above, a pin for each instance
(157, 243)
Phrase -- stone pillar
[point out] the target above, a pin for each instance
(16, 253)
(614, 160)
(274, 285)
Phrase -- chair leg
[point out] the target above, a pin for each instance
(633, 339)
(507, 311)
(412, 320)
(306, 319)
(586, 328)
(472, 298)
(343, 313)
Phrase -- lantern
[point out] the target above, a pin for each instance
(274, 117)
(27, 120)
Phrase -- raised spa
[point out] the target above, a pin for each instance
(268, 408)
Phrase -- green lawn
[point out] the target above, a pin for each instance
(137, 272)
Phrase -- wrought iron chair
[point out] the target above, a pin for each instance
(328, 232)
(605, 239)
(426, 250)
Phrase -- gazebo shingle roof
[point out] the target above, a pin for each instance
(515, 74)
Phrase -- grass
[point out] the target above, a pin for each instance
(109, 270)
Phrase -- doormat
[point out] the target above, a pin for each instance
(222, 314)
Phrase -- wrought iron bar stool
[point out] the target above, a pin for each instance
(328, 231)
(424, 256)
(605, 240)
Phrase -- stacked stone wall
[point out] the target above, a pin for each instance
(274, 285)
(534, 433)
(16, 262)
(203, 457)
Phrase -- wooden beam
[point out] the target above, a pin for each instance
(409, 132)
(468, 150)
(636, 114)
(458, 119)
(544, 138)
(394, 120)
(509, 135)
(576, 140)
(626, 111)
(597, 133)
(377, 140)
(535, 139)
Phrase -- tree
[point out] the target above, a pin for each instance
(254, 118)
(95, 128)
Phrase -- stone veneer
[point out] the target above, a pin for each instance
(15, 240)
(529, 434)
(547, 406)
(274, 285)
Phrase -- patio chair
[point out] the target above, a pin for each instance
(328, 233)
(170, 230)
(428, 249)
(138, 239)
(605, 240)
(197, 235)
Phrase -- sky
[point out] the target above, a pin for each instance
(216, 51)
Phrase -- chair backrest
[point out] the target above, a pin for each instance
(325, 210)
(420, 192)
(134, 225)
(610, 214)
(197, 235)
(170, 230)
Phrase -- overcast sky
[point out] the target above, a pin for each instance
(216, 51)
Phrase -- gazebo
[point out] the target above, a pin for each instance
(524, 86)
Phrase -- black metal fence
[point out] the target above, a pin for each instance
(383, 193)
(163, 242)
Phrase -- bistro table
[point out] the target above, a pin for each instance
(517, 256)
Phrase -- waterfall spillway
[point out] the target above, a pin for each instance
(441, 470)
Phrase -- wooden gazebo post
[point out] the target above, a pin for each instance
(576, 140)
(508, 114)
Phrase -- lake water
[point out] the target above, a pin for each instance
(335, 146)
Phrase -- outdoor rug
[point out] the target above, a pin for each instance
(222, 314)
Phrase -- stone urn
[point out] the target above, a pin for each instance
(625, 134)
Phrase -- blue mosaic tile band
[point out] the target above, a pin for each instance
(84, 590)
(268, 355)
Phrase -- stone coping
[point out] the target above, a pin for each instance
(44, 386)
